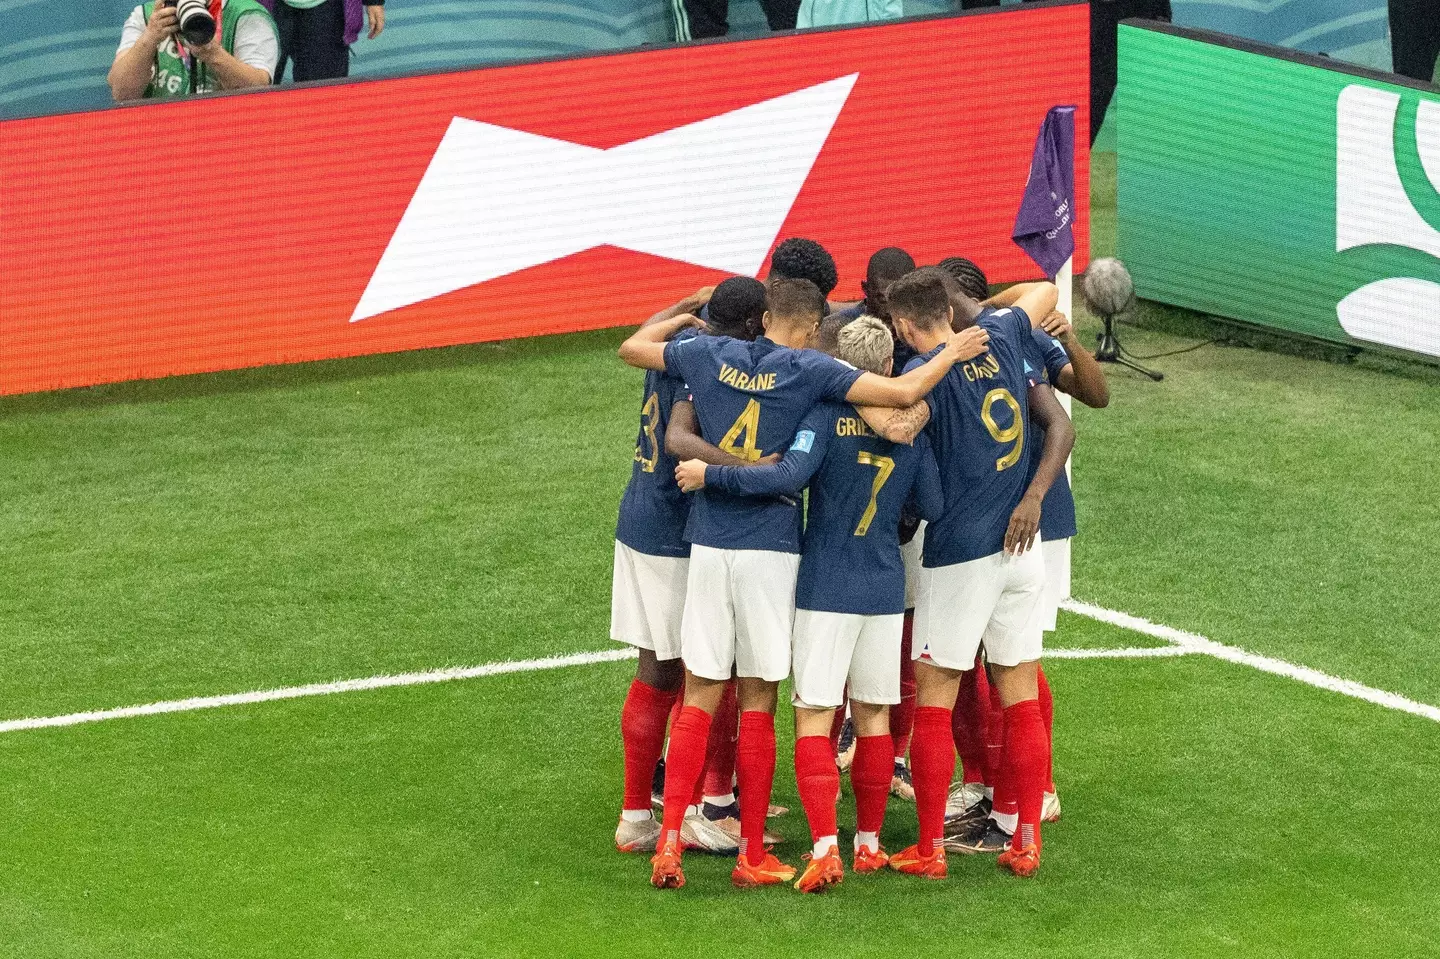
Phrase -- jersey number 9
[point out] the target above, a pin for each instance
(1014, 433)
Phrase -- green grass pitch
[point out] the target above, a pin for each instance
(277, 527)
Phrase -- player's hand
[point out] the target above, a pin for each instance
(1024, 526)
(690, 475)
(163, 24)
(968, 343)
(702, 295)
(1057, 324)
(769, 459)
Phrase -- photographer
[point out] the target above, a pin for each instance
(155, 60)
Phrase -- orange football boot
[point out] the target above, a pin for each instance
(1022, 862)
(822, 873)
(867, 861)
(911, 863)
(768, 872)
(665, 871)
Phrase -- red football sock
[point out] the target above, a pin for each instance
(967, 726)
(683, 765)
(902, 715)
(720, 757)
(642, 727)
(1027, 748)
(1004, 800)
(994, 734)
(870, 778)
(755, 765)
(1047, 713)
(932, 764)
(819, 783)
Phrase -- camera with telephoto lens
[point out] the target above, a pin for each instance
(196, 24)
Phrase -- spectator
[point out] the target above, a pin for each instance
(1415, 38)
(698, 19)
(830, 13)
(317, 34)
(154, 62)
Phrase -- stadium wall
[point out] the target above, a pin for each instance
(1279, 189)
(338, 220)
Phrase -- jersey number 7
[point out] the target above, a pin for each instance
(886, 466)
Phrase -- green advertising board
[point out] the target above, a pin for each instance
(1279, 189)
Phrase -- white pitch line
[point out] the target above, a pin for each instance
(320, 689)
(1182, 644)
(1195, 643)
(1139, 652)
(430, 676)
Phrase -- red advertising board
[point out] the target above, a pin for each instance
(309, 223)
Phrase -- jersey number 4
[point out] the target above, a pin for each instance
(1014, 433)
(743, 434)
(886, 466)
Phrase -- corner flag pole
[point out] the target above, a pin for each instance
(1044, 230)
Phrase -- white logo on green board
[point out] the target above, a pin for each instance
(1371, 207)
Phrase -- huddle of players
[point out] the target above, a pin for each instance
(951, 439)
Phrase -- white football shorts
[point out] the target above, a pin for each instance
(1057, 579)
(998, 600)
(833, 649)
(647, 599)
(739, 608)
(910, 555)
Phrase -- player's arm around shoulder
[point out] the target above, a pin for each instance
(912, 387)
(897, 425)
(1035, 300)
(648, 347)
(1080, 374)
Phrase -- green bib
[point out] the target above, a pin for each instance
(172, 77)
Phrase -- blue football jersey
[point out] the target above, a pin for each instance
(1057, 512)
(750, 398)
(980, 430)
(850, 562)
(653, 511)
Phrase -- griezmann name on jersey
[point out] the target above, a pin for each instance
(653, 511)
(980, 431)
(859, 482)
(750, 398)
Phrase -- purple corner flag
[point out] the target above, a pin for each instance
(1043, 225)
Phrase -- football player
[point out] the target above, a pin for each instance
(1069, 367)
(981, 580)
(651, 564)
